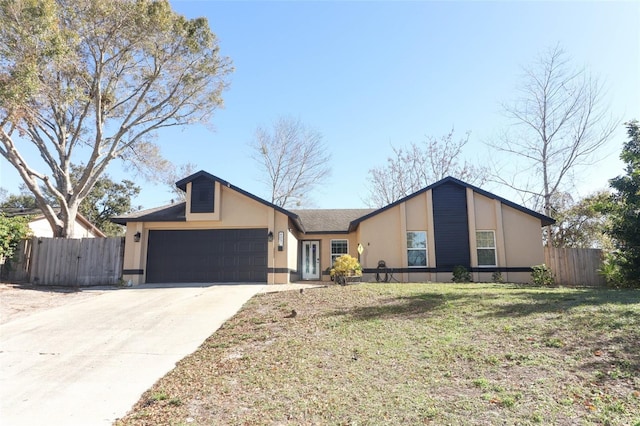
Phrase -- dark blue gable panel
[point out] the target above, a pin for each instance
(202, 195)
(451, 226)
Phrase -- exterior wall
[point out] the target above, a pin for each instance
(291, 248)
(419, 217)
(517, 235)
(382, 239)
(523, 242)
(236, 211)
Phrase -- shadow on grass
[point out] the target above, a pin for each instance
(524, 303)
(508, 301)
(402, 306)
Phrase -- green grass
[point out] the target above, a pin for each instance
(374, 354)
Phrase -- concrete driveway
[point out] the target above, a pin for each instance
(88, 362)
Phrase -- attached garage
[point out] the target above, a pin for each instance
(207, 255)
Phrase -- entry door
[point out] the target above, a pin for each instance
(310, 260)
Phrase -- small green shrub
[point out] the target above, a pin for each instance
(496, 277)
(461, 275)
(611, 272)
(542, 275)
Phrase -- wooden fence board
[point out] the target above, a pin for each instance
(76, 262)
(575, 266)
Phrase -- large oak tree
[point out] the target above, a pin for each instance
(91, 81)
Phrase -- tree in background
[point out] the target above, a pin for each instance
(174, 174)
(411, 169)
(559, 124)
(106, 199)
(90, 81)
(582, 223)
(625, 211)
(23, 201)
(294, 159)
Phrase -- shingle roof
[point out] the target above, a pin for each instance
(329, 221)
(170, 213)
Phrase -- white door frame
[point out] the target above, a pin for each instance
(311, 260)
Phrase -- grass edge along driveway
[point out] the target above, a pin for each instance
(374, 354)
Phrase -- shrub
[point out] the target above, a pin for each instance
(542, 275)
(12, 231)
(611, 271)
(461, 275)
(496, 277)
(345, 266)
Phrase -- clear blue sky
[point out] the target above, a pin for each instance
(371, 74)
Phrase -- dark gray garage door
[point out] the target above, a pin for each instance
(212, 255)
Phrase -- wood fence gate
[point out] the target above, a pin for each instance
(72, 262)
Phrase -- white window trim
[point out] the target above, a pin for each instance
(426, 249)
(337, 254)
(494, 248)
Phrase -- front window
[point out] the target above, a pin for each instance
(417, 249)
(486, 247)
(338, 248)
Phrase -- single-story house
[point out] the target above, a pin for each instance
(40, 226)
(222, 233)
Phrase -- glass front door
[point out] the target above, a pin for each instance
(311, 260)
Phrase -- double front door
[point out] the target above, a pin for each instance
(311, 260)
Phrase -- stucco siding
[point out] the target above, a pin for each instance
(523, 239)
(485, 212)
(382, 239)
(416, 212)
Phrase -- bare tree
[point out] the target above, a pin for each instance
(411, 169)
(294, 159)
(174, 174)
(559, 124)
(90, 81)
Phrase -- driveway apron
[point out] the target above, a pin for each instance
(88, 362)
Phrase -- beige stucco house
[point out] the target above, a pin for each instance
(225, 234)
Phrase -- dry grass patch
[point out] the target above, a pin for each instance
(374, 354)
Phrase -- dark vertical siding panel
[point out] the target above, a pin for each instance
(451, 226)
(202, 195)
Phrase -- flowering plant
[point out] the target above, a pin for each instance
(346, 265)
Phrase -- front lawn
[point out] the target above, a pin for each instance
(382, 354)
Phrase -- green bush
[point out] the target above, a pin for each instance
(542, 275)
(611, 272)
(496, 277)
(461, 275)
(12, 231)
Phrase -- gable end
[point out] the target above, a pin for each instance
(202, 195)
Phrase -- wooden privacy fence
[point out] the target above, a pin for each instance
(71, 262)
(575, 266)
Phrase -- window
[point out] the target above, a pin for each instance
(417, 249)
(486, 246)
(338, 248)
